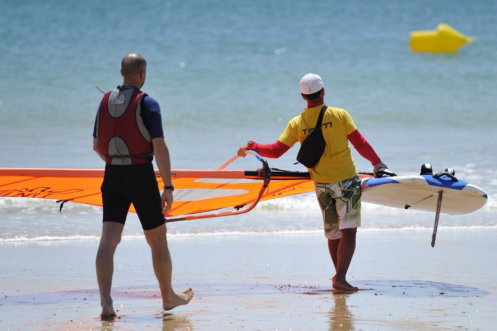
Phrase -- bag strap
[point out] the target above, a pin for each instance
(320, 118)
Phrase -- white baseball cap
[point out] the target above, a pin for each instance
(311, 83)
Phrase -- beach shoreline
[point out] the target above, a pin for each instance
(225, 73)
(264, 282)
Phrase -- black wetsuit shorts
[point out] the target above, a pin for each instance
(132, 184)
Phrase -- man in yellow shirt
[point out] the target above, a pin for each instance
(338, 187)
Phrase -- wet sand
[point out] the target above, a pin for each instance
(260, 282)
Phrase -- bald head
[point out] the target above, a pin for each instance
(132, 64)
(134, 70)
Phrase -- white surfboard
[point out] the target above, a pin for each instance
(422, 192)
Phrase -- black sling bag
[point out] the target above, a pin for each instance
(313, 146)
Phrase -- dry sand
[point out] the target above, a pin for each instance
(260, 282)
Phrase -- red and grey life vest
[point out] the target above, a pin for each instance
(121, 134)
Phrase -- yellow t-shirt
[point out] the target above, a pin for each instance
(337, 163)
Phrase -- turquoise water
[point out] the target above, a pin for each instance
(225, 72)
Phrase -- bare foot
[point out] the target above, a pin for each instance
(107, 310)
(343, 285)
(178, 299)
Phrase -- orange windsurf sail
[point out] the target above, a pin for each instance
(198, 193)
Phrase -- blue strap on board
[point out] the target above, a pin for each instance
(443, 181)
(372, 182)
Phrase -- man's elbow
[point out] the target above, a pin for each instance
(160, 147)
(95, 148)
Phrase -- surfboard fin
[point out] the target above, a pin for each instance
(451, 174)
(437, 216)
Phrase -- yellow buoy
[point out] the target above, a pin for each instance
(444, 39)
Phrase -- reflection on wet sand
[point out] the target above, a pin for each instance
(340, 316)
(170, 322)
(108, 323)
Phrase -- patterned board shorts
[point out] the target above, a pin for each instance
(341, 205)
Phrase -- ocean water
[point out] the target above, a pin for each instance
(225, 72)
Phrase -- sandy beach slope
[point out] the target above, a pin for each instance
(260, 282)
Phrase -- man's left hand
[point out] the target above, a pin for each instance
(167, 201)
(242, 151)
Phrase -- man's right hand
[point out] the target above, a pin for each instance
(381, 170)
